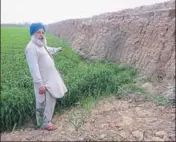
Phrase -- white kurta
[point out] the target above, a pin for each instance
(43, 71)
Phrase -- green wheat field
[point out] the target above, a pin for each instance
(83, 78)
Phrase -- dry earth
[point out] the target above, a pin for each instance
(111, 119)
(142, 37)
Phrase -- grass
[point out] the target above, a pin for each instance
(84, 79)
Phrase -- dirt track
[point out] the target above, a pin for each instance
(110, 119)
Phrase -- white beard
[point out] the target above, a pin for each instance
(39, 42)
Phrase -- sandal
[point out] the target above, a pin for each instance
(50, 127)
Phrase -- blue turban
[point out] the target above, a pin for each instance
(35, 27)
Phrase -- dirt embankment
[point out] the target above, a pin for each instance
(143, 37)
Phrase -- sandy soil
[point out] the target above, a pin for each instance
(111, 119)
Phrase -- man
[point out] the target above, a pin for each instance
(48, 84)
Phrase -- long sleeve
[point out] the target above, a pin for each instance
(53, 50)
(32, 60)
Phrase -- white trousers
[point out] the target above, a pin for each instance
(45, 109)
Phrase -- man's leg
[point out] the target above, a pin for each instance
(39, 113)
(40, 106)
(49, 109)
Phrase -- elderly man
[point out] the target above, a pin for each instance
(48, 84)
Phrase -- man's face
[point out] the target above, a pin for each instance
(39, 34)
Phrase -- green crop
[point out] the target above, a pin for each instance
(83, 78)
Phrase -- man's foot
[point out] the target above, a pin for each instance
(50, 127)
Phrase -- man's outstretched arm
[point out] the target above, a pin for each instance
(54, 50)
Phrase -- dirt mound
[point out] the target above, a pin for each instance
(143, 37)
(111, 119)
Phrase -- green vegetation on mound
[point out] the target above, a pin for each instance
(83, 78)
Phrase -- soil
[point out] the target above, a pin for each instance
(111, 119)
